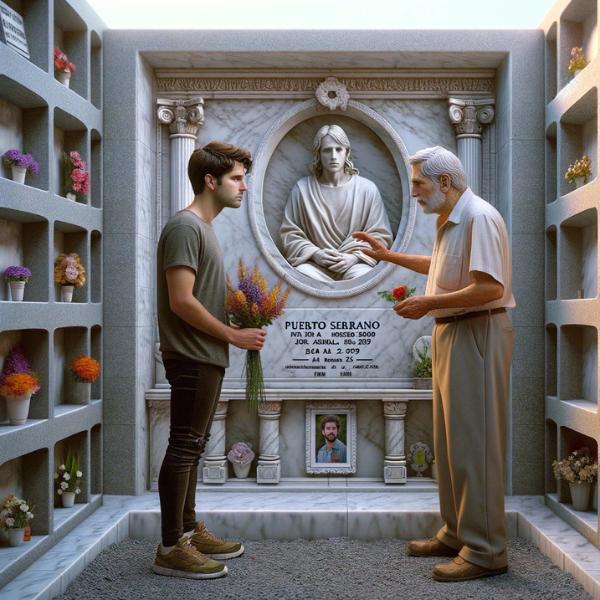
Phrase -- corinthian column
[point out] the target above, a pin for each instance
(468, 116)
(215, 463)
(394, 464)
(183, 117)
(269, 465)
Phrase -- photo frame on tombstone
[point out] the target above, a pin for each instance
(330, 438)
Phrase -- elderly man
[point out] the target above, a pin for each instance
(468, 292)
(324, 210)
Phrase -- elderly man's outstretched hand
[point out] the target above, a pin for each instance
(378, 251)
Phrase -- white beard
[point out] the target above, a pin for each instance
(436, 201)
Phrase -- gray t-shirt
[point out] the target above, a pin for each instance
(188, 240)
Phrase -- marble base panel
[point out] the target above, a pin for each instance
(279, 515)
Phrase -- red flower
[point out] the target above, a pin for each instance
(399, 292)
(71, 66)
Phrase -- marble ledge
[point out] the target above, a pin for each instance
(333, 394)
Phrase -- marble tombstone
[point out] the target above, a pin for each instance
(338, 341)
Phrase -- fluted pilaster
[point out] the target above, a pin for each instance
(468, 118)
(394, 464)
(215, 463)
(183, 117)
(269, 464)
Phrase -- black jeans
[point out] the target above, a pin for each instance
(195, 391)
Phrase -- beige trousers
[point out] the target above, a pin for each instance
(471, 368)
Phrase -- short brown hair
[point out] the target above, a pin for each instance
(331, 419)
(216, 159)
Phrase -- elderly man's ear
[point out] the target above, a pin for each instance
(445, 183)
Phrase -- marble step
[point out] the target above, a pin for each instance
(285, 516)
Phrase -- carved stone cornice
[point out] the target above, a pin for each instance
(468, 116)
(182, 116)
(436, 86)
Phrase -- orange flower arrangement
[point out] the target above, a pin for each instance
(19, 384)
(84, 369)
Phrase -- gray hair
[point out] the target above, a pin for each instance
(438, 161)
(339, 135)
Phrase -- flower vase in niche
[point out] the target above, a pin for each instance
(422, 379)
(18, 388)
(68, 479)
(76, 176)
(241, 457)
(63, 68)
(580, 470)
(580, 172)
(17, 277)
(15, 516)
(69, 273)
(578, 62)
(84, 370)
(20, 164)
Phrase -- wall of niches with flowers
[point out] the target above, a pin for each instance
(51, 244)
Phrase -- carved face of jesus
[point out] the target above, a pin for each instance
(333, 155)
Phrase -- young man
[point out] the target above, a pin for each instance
(194, 341)
(468, 292)
(333, 451)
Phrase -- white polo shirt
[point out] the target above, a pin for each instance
(474, 238)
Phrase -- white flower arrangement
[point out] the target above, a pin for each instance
(15, 513)
(69, 477)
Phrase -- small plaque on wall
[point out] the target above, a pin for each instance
(12, 31)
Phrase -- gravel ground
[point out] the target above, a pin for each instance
(332, 569)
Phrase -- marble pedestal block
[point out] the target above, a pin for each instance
(269, 463)
(394, 465)
(215, 462)
(281, 443)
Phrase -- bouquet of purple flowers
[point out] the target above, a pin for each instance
(241, 453)
(17, 274)
(13, 158)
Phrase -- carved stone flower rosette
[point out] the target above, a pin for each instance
(419, 457)
(332, 94)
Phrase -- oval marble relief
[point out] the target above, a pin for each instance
(283, 158)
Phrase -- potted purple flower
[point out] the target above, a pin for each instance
(241, 457)
(17, 277)
(21, 165)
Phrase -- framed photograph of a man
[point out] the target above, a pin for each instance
(330, 438)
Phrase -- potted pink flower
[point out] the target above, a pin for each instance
(77, 178)
(63, 68)
(241, 456)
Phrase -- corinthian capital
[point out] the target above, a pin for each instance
(468, 116)
(182, 116)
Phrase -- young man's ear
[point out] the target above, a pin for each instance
(211, 182)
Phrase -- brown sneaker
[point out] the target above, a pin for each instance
(460, 569)
(185, 561)
(212, 546)
(432, 547)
